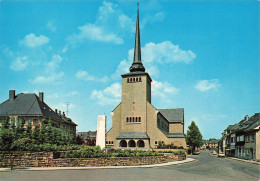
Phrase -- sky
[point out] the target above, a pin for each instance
(203, 56)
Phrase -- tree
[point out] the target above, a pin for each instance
(194, 137)
(28, 130)
(36, 133)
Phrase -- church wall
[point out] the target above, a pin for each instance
(133, 104)
(176, 128)
(155, 133)
(115, 130)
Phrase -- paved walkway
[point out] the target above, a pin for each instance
(104, 167)
(243, 160)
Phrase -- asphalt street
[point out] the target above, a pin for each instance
(206, 167)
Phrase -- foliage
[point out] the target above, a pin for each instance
(21, 138)
(162, 145)
(194, 137)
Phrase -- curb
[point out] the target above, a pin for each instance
(247, 161)
(188, 160)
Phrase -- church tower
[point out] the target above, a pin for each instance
(136, 91)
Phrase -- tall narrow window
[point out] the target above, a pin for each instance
(139, 119)
(127, 120)
(130, 79)
(130, 119)
(140, 79)
(133, 79)
(135, 119)
(127, 79)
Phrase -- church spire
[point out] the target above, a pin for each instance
(137, 65)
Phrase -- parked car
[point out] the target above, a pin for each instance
(214, 152)
(221, 155)
(196, 153)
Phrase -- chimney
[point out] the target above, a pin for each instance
(60, 113)
(246, 117)
(11, 94)
(41, 96)
(56, 111)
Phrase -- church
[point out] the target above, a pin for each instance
(136, 123)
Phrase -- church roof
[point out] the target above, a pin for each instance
(173, 115)
(175, 135)
(132, 135)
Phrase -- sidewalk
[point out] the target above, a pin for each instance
(106, 167)
(243, 160)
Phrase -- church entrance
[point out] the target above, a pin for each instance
(131, 143)
(140, 143)
(123, 143)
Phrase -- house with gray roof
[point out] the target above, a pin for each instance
(30, 107)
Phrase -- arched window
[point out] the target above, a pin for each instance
(127, 79)
(130, 119)
(140, 143)
(139, 120)
(106, 142)
(156, 142)
(112, 142)
(135, 119)
(140, 79)
(133, 79)
(130, 79)
(131, 143)
(123, 143)
(109, 142)
(127, 120)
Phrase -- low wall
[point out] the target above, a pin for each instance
(47, 159)
(177, 157)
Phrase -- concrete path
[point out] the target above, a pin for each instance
(104, 167)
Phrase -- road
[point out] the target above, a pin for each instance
(206, 167)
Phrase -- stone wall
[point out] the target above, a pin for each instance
(47, 159)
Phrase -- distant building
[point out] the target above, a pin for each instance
(211, 143)
(136, 123)
(242, 140)
(30, 107)
(89, 137)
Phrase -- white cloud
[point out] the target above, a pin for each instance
(93, 32)
(152, 54)
(51, 26)
(84, 75)
(32, 41)
(54, 63)
(109, 96)
(205, 85)
(48, 79)
(65, 49)
(63, 106)
(165, 52)
(163, 89)
(19, 64)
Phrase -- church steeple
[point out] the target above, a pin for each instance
(137, 65)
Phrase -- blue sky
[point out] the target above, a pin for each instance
(202, 56)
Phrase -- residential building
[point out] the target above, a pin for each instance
(30, 107)
(135, 121)
(89, 137)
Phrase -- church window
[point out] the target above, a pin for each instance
(127, 79)
(140, 79)
(109, 142)
(112, 142)
(139, 119)
(130, 119)
(133, 79)
(155, 142)
(133, 119)
(136, 119)
(106, 142)
(127, 120)
(130, 79)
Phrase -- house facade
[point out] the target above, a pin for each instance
(135, 121)
(30, 107)
(241, 140)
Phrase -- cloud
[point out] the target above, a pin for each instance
(93, 32)
(54, 63)
(165, 52)
(153, 54)
(51, 26)
(19, 64)
(48, 79)
(163, 89)
(205, 85)
(32, 41)
(109, 96)
(63, 107)
(84, 75)
(65, 49)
